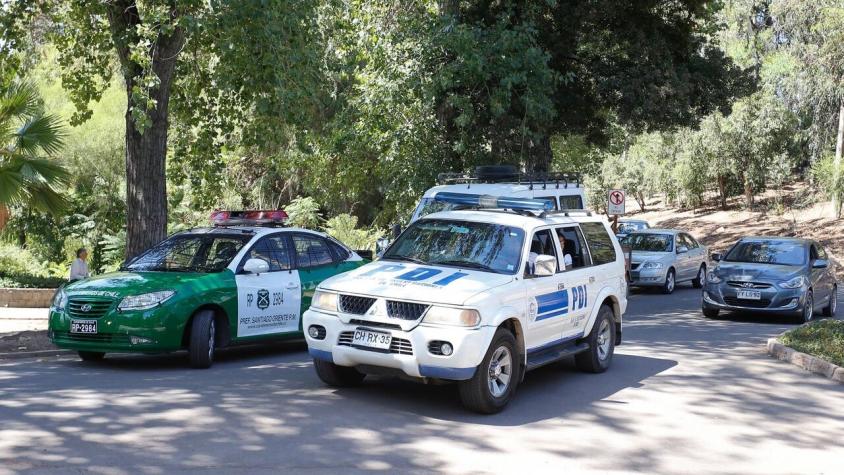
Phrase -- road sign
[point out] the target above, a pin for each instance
(615, 202)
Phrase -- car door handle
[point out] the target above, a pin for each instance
(292, 286)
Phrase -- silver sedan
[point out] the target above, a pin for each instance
(665, 257)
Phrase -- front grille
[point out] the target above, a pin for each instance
(405, 310)
(748, 285)
(88, 307)
(399, 346)
(92, 338)
(737, 302)
(354, 304)
(391, 326)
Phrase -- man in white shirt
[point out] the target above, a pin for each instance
(79, 267)
(565, 262)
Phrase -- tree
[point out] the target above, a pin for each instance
(224, 62)
(28, 138)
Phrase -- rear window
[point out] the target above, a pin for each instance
(599, 242)
(571, 202)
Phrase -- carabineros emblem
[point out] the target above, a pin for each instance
(263, 299)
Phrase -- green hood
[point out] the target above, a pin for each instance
(121, 284)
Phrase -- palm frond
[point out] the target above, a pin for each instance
(41, 170)
(40, 132)
(48, 200)
(11, 186)
(20, 99)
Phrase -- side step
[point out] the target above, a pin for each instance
(555, 353)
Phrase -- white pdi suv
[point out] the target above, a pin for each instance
(478, 297)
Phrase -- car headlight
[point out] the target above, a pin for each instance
(324, 301)
(713, 278)
(652, 265)
(794, 283)
(452, 316)
(145, 301)
(60, 300)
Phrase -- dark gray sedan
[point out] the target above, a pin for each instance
(772, 275)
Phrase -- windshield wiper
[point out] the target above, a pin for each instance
(408, 259)
(467, 264)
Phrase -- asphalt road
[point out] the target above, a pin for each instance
(684, 395)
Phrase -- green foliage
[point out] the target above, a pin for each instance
(304, 213)
(824, 177)
(20, 269)
(344, 228)
(824, 339)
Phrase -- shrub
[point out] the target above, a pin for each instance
(824, 339)
(20, 269)
(343, 227)
(303, 213)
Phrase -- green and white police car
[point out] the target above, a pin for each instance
(243, 280)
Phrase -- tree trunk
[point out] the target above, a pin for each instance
(146, 152)
(640, 199)
(722, 191)
(748, 193)
(836, 164)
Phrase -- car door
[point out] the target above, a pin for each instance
(577, 279)
(602, 255)
(697, 255)
(316, 259)
(828, 274)
(268, 303)
(818, 276)
(684, 260)
(548, 297)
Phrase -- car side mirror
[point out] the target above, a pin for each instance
(820, 264)
(545, 265)
(256, 266)
(717, 256)
(682, 250)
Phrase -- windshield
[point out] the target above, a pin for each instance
(631, 226)
(650, 242)
(190, 253)
(428, 205)
(482, 246)
(786, 253)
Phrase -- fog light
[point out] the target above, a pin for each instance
(139, 340)
(446, 349)
(317, 332)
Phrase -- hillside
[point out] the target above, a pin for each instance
(798, 215)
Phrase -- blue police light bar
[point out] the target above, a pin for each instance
(489, 201)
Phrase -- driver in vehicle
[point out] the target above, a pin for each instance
(566, 261)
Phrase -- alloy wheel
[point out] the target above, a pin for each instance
(604, 339)
(500, 371)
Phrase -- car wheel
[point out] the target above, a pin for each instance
(830, 309)
(808, 308)
(701, 277)
(202, 340)
(495, 380)
(601, 344)
(710, 312)
(92, 355)
(336, 375)
(670, 282)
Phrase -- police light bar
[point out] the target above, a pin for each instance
(489, 201)
(248, 218)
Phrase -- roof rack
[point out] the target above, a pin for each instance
(569, 212)
(536, 179)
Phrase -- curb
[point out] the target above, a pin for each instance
(19, 355)
(807, 362)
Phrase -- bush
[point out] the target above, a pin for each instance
(824, 339)
(303, 213)
(343, 227)
(20, 269)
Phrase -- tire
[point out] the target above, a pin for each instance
(496, 378)
(808, 312)
(91, 355)
(601, 341)
(203, 332)
(710, 312)
(670, 282)
(701, 277)
(830, 309)
(337, 376)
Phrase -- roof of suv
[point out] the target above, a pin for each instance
(505, 189)
(500, 216)
(252, 230)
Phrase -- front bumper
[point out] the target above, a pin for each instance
(723, 296)
(145, 331)
(470, 346)
(648, 277)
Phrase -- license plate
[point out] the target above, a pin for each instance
(371, 339)
(749, 294)
(83, 326)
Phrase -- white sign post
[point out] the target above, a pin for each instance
(615, 202)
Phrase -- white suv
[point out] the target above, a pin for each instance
(477, 297)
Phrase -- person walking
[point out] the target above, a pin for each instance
(79, 267)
